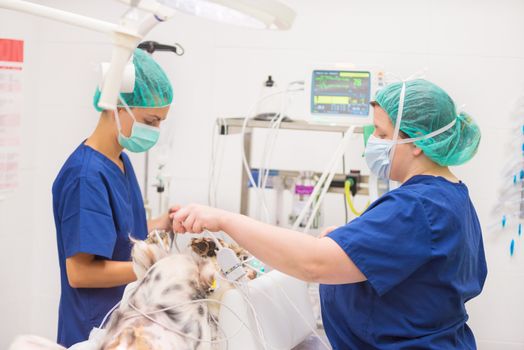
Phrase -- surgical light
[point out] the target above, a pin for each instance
(262, 14)
(133, 26)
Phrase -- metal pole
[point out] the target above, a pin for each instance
(244, 188)
(146, 186)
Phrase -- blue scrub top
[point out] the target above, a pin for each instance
(96, 207)
(420, 247)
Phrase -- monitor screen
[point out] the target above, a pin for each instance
(341, 92)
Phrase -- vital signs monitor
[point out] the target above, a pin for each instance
(342, 96)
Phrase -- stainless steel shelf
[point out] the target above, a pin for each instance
(229, 126)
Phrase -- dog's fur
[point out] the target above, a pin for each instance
(163, 280)
(206, 247)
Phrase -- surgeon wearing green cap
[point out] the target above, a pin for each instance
(398, 276)
(97, 203)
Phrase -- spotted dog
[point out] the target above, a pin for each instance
(164, 280)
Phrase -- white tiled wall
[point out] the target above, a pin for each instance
(473, 49)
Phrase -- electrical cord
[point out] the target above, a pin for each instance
(243, 152)
(329, 168)
(176, 331)
(345, 202)
(217, 154)
(290, 302)
(349, 198)
(333, 168)
(271, 138)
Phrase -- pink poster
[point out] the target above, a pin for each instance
(11, 67)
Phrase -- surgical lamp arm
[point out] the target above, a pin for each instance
(130, 31)
(59, 15)
(125, 36)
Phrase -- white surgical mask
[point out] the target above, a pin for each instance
(379, 153)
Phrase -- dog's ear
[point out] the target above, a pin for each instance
(145, 255)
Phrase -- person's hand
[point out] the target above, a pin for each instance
(173, 209)
(327, 231)
(195, 218)
(164, 221)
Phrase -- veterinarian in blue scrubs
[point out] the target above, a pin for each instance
(97, 203)
(397, 277)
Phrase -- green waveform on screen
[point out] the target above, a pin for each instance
(332, 77)
(327, 86)
(337, 82)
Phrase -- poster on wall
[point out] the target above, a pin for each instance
(11, 65)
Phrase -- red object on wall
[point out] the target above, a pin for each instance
(11, 50)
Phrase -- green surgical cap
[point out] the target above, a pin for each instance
(152, 87)
(428, 108)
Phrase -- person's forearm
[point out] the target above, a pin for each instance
(288, 251)
(101, 274)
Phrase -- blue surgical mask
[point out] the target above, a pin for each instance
(377, 155)
(379, 152)
(142, 137)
